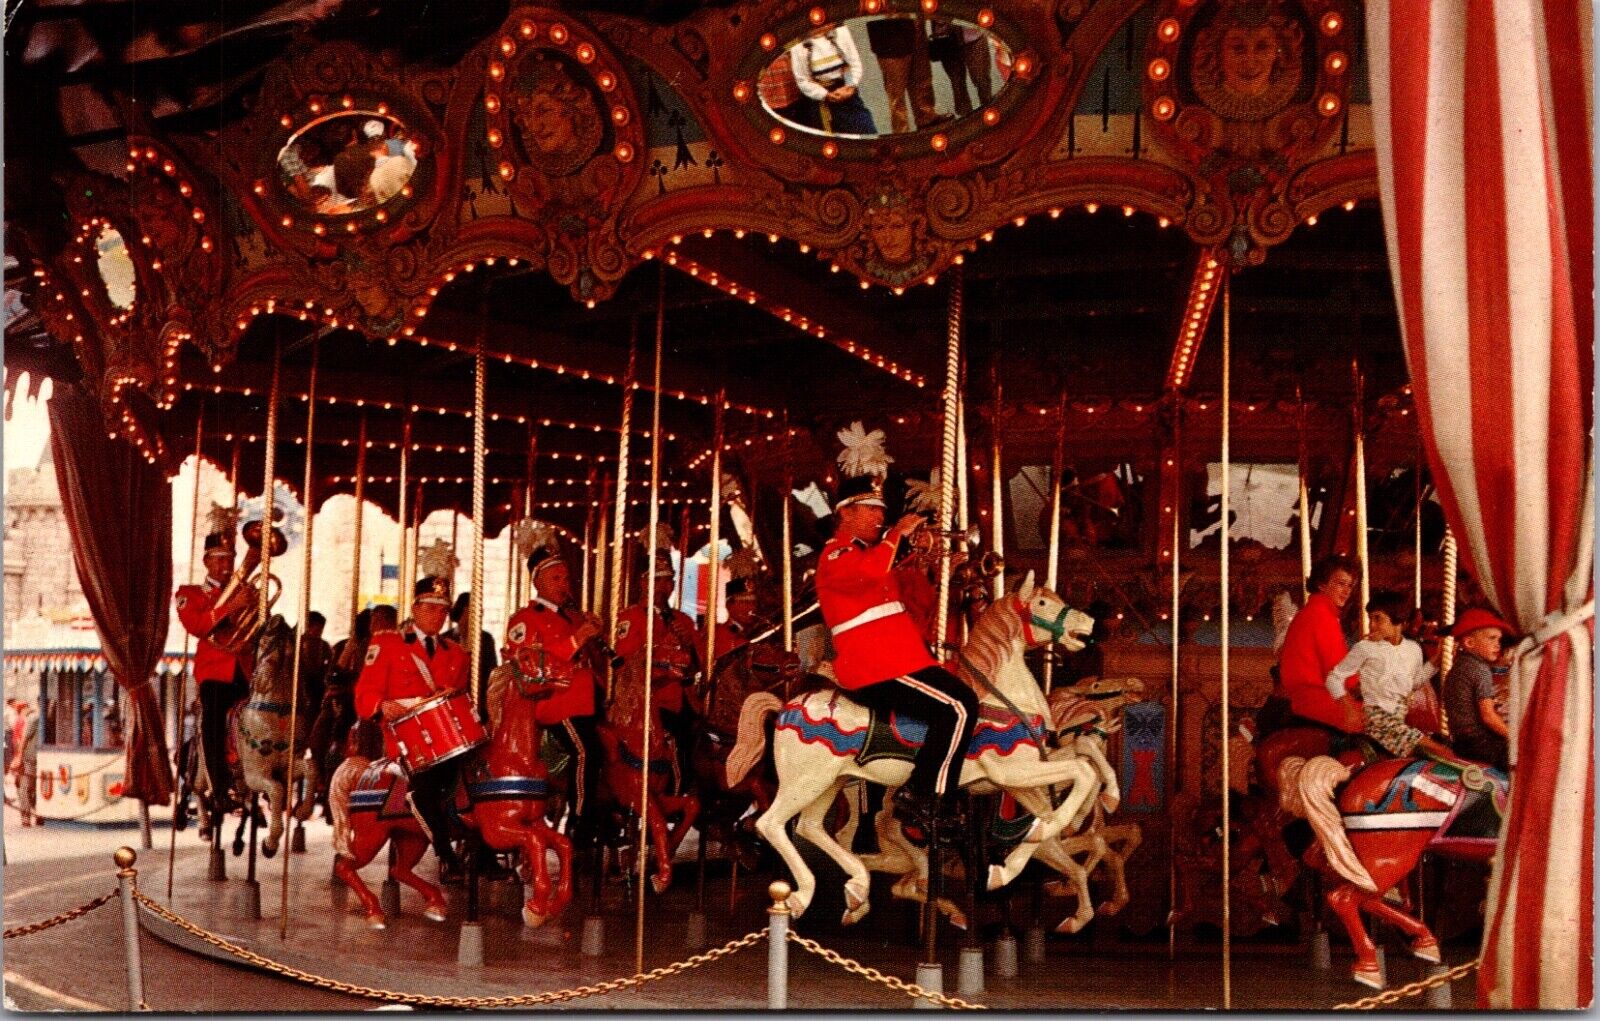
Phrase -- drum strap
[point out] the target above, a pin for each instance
(427, 675)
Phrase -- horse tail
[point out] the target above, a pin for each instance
(339, 788)
(752, 735)
(1315, 782)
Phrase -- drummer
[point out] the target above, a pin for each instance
(402, 670)
(554, 622)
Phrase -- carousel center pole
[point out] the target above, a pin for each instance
(619, 513)
(1227, 790)
(309, 500)
(183, 665)
(650, 615)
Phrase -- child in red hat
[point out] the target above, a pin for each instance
(1476, 728)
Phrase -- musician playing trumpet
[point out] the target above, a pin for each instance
(222, 676)
(553, 625)
(405, 668)
(677, 648)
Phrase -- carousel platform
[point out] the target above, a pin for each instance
(328, 938)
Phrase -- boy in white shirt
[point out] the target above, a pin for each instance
(1391, 668)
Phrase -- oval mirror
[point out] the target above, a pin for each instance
(115, 266)
(886, 74)
(348, 162)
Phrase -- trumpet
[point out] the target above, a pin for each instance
(925, 540)
(240, 599)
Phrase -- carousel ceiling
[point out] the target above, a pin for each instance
(383, 188)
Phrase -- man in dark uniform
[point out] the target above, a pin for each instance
(405, 668)
(883, 661)
(554, 624)
(222, 676)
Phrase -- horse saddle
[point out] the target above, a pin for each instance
(383, 788)
(899, 736)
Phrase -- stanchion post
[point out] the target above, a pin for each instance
(778, 946)
(127, 883)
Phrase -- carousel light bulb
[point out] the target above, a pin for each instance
(1350, 205)
(1092, 207)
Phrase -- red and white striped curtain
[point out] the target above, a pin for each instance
(1483, 123)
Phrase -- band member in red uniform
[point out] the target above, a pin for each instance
(734, 633)
(405, 668)
(222, 676)
(676, 653)
(882, 659)
(553, 622)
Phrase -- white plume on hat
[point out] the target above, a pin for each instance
(923, 496)
(529, 534)
(863, 452)
(438, 560)
(372, 128)
(664, 538)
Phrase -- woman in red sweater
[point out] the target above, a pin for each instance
(1315, 644)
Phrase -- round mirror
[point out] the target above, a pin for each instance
(884, 75)
(115, 266)
(348, 162)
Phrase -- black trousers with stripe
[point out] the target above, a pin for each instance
(579, 739)
(946, 705)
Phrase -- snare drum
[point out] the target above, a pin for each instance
(440, 729)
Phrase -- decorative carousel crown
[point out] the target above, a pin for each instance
(438, 563)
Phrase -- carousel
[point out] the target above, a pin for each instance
(1132, 322)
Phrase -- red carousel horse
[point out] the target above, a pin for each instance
(622, 736)
(1373, 833)
(503, 798)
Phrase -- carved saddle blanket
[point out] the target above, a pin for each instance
(382, 789)
(1464, 811)
(893, 736)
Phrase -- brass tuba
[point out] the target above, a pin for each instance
(240, 599)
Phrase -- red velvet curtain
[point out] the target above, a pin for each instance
(119, 511)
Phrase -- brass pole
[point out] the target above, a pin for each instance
(589, 538)
(403, 589)
(269, 469)
(619, 520)
(308, 498)
(1227, 465)
(1177, 636)
(417, 519)
(650, 614)
(183, 664)
(947, 450)
(714, 556)
(1360, 429)
(788, 543)
(355, 528)
(474, 634)
(997, 488)
(1447, 610)
(1305, 497)
(1416, 573)
(1052, 569)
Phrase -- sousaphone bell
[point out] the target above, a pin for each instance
(240, 600)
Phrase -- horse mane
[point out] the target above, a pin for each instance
(988, 644)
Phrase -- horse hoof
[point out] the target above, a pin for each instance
(1370, 977)
(1110, 909)
(958, 919)
(434, 914)
(1035, 834)
(797, 907)
(1109, 803)
(997, 877)
(1426, 949)
(1068, 926)
(533, 919)
(856, 914)
(376, 922)
(660, 883)
(267, 850)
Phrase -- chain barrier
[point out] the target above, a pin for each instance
(449, 1002)
(1392, 996)
(911, 989)
(61, 919)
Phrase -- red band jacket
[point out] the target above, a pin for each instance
(875, 637)
(543, 623)
(675, 644)
(197, 612)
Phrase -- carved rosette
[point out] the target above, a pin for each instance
(566, 131)
(1244, 93)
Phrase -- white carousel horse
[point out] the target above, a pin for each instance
(819, 739)
(260, 736)
(1082, 717)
